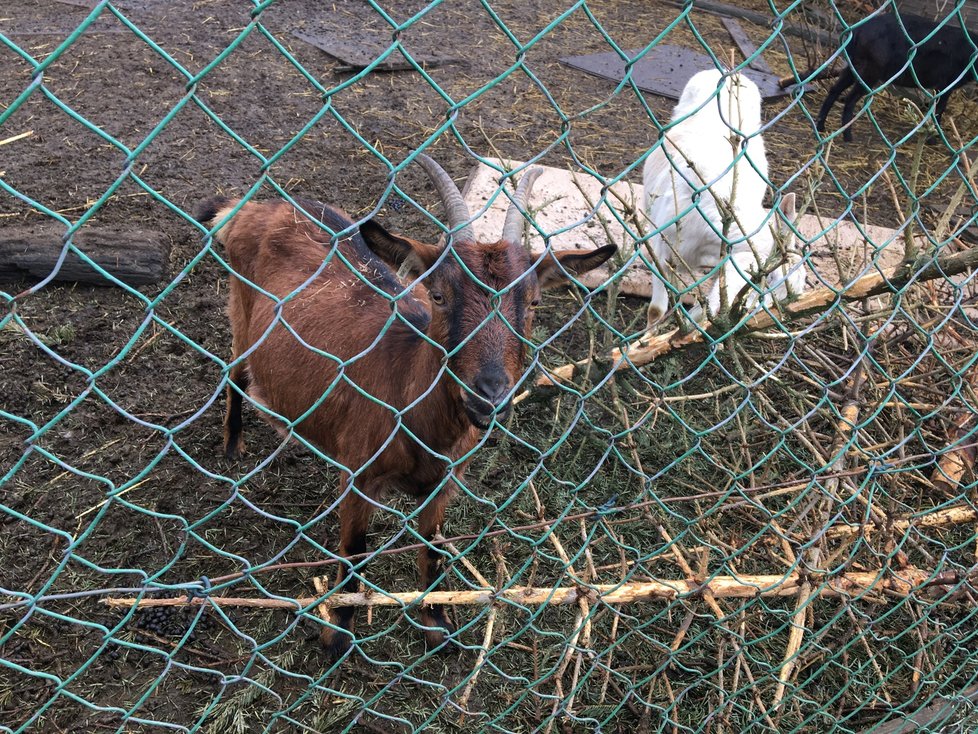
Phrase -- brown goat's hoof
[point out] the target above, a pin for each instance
(437, 641)
(438, 634)
(337, 643)
(235, 452)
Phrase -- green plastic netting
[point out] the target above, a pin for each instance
(767, 523)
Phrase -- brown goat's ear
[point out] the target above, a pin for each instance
(555, 267)
(409, 257)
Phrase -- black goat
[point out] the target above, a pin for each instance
(905, 51)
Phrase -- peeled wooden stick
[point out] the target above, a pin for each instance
(795, 637)
(15, 138)
(941, 518)
(955, 464)
(812, 556)
(650, 348)
(901, 582)
(322, 586)
(583, 616)
(463, 700)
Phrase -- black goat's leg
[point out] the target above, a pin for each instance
(846, 79)
(849, 110)
(941, 106)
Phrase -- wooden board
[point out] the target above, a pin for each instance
(357, 51)
(946, 712)
(940, 9)
(135, 257)
(752, 16)
(747, 48)
(664, 70)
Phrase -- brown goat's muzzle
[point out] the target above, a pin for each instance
(488, 396)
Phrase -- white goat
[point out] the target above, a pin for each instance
(703, 186)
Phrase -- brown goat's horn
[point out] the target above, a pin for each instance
(513, 227)
(458, 212)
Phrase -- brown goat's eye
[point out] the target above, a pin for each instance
(534, 303)
(437, 298)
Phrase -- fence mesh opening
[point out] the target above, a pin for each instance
(753, 517)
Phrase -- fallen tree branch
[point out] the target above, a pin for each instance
(942, 518)
(958, 462)
(649, 348)
(762, 19)
(136, 257)
(902, 582)
(812, 556)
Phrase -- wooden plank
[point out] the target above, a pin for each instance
(747, 48)
(762, 19)
(664, 70)
(135, 257)
(947, 712)
(940, 9)
(359, 52)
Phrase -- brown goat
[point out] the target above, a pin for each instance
(439, 367)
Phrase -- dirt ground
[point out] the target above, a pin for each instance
(111, 403)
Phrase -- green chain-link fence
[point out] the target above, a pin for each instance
(764, 525)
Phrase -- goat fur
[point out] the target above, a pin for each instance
(903, 51)
(327, 339)
(711, 165)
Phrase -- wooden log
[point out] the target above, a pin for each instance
(136, 257)
(649, 348)
(899, 582)
(957, 515)
(761, 19)
(747, 48)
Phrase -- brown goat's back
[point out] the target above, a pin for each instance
(334, 337)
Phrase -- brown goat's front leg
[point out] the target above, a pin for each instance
(430, 568)
(355, 515)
